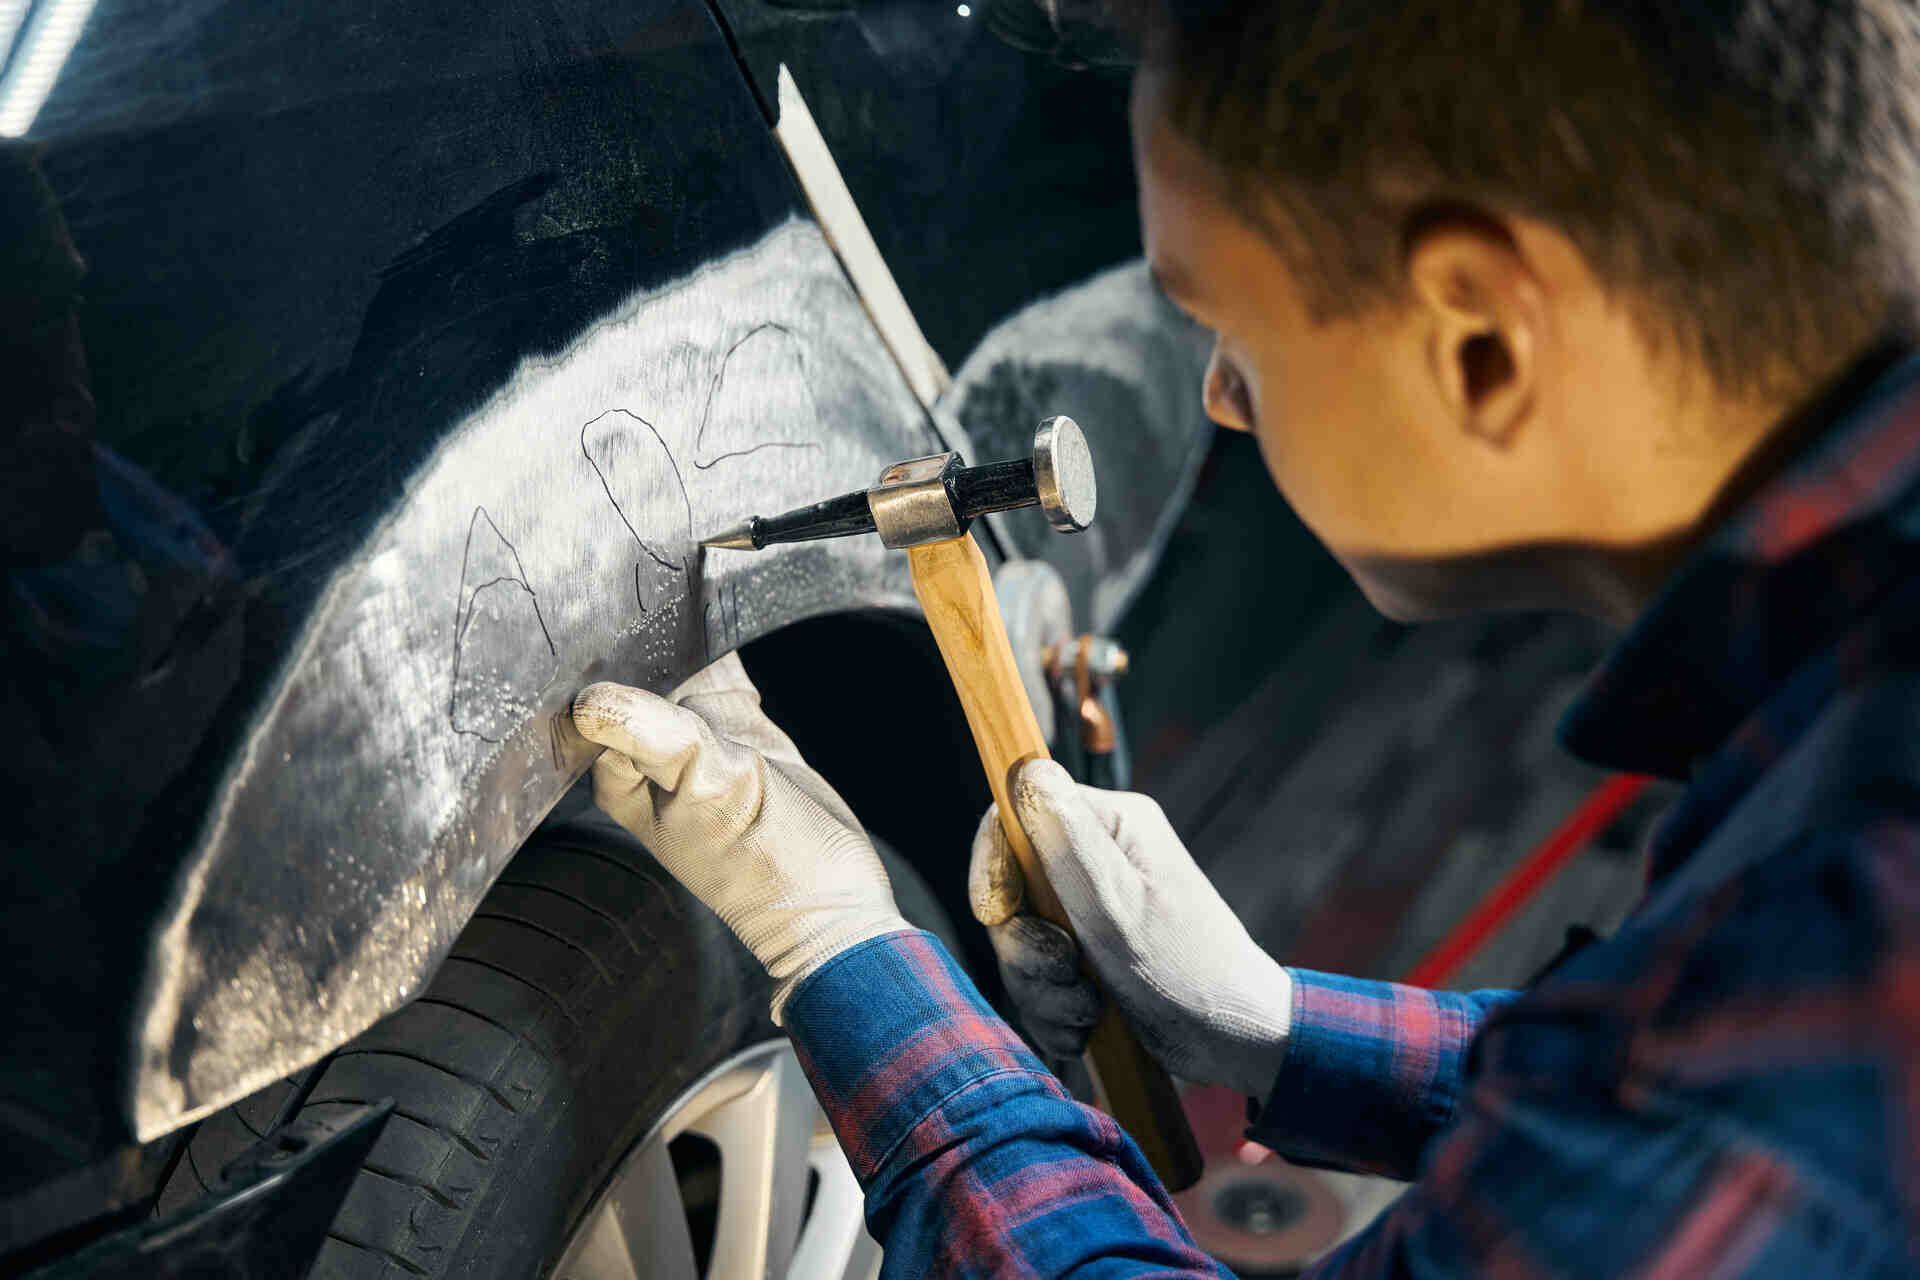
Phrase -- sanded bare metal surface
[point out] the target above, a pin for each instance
(418, 731)
(318, 265)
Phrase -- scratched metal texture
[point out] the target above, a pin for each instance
(440, 334)
(432, 339)
(548, 542)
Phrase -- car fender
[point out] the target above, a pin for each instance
(474, 417)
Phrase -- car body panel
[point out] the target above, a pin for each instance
(422, 342)
(420, 729)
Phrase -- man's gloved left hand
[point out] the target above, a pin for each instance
(723, 800)
(1207, 1002)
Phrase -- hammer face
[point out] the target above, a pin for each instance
(1063, 474)
(911, 504)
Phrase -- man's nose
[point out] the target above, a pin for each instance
(1223, 393)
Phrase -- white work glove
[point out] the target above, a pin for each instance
(1207, 1002)
(723, 800)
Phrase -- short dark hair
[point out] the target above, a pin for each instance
(1744, 173)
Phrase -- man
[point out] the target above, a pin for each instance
(1602, 306)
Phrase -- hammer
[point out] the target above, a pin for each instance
(925, 505)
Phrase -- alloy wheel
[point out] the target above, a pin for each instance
(741, 1180)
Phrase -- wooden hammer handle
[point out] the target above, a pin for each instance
(956, 591)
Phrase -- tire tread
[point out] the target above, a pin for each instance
(475, 1082)
(479, 1048)
(520, 919)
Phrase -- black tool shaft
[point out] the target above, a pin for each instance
(974, 491)
(993, 486)
(834, 518)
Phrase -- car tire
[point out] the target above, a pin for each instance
(587, 994)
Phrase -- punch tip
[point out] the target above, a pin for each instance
(738, 538)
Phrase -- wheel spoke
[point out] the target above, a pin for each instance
(639, 1231)
(835, 1244)
(764, 1135)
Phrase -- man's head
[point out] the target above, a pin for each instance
(1515, 276)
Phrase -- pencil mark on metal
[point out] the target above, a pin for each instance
(629, 466)
(786, 343)
(720, 620)
(741, 453)
(607, 484)
(489, 686)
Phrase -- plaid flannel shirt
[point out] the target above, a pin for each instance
(1730, 1085)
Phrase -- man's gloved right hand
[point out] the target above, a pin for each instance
(723, 800)
(1208, 1003)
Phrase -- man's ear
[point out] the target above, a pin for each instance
(1486, 316)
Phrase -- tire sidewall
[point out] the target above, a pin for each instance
(701, 1001)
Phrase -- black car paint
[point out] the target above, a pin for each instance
(311, 244)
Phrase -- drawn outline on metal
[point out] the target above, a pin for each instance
(437, 808)
(466, 608)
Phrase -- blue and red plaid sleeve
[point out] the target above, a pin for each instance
(1724, 1088)
(975, 1161)
(1372, 1073)
(1729, 1086)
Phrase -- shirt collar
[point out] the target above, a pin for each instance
(1776, 583)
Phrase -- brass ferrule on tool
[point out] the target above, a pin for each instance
(926, 505)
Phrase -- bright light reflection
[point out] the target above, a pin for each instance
(12, 14)
(49, 37)
(965, 11)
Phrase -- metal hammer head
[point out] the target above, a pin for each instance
(935, 498)
(1063, 474)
